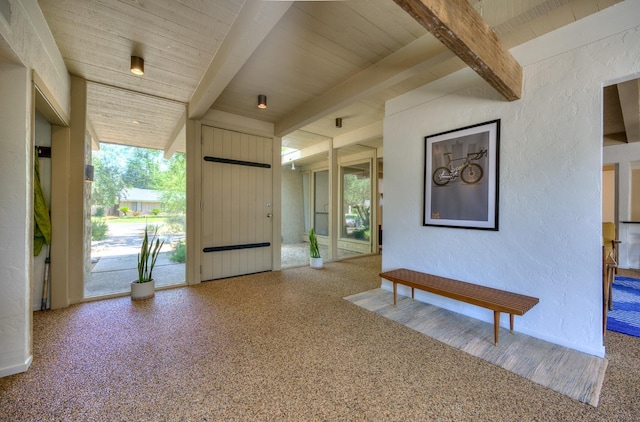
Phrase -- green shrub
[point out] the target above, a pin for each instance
(155, 211)
(124, 210)
(99, 212)
(179, 254)
(362, 234)
(99, 229)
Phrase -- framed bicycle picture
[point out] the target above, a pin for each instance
(461, 177)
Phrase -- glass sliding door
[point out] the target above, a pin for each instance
(355, 225)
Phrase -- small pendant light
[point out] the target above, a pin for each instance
(137, 65)
(262, 101)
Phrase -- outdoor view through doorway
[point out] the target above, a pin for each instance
(134, 188)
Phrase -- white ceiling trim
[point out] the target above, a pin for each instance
(393, 69)
(256, 19)
(95, 140)
(362, 135)
(177, 137)
(319, 148)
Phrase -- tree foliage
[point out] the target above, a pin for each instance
(108, 181)
(118, 167)
(357, 195)
(173, 183)
(143, 168)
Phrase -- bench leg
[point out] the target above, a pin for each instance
(511, 322)
(496, 326)
(412, 293)
(395, 292)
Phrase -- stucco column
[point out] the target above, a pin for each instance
(16, 216)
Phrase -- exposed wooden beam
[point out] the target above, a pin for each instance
(459, 27)
(256, 19)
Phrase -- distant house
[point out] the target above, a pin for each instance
(141, 200)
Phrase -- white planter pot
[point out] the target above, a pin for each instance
(141, 291)
(315, 262)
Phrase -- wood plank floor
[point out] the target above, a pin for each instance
(575, 374)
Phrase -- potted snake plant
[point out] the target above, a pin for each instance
(144, 286)
(315, 259)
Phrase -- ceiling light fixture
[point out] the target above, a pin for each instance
(338, 121)
(293, 165)
(137, 65)
(262, 101)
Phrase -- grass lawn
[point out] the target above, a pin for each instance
(150, 219)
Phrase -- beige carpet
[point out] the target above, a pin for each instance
(281, 346)
(574, 374)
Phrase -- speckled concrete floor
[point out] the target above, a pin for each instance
(279, 346)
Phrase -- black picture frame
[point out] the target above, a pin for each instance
(461, 177)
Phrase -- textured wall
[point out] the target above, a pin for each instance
(26, 40)
(16, 214)
(30, 39)
(549, 242)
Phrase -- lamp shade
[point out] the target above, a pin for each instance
(137, 65)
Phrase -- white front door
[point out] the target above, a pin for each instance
(237, 205)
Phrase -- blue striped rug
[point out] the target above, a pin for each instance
(625, 317)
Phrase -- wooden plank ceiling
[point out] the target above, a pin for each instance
(315, 60)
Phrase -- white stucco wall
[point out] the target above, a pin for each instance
(16, 213)
(26, 44)
(549, 239)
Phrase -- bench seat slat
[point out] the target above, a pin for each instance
(487, 297)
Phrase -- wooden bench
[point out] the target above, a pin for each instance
(496, 300)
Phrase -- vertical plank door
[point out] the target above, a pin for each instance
(237, 203)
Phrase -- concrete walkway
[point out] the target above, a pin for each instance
(115, 260)
(114, 274)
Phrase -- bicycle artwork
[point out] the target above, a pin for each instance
(461, 169)
(467, 170)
